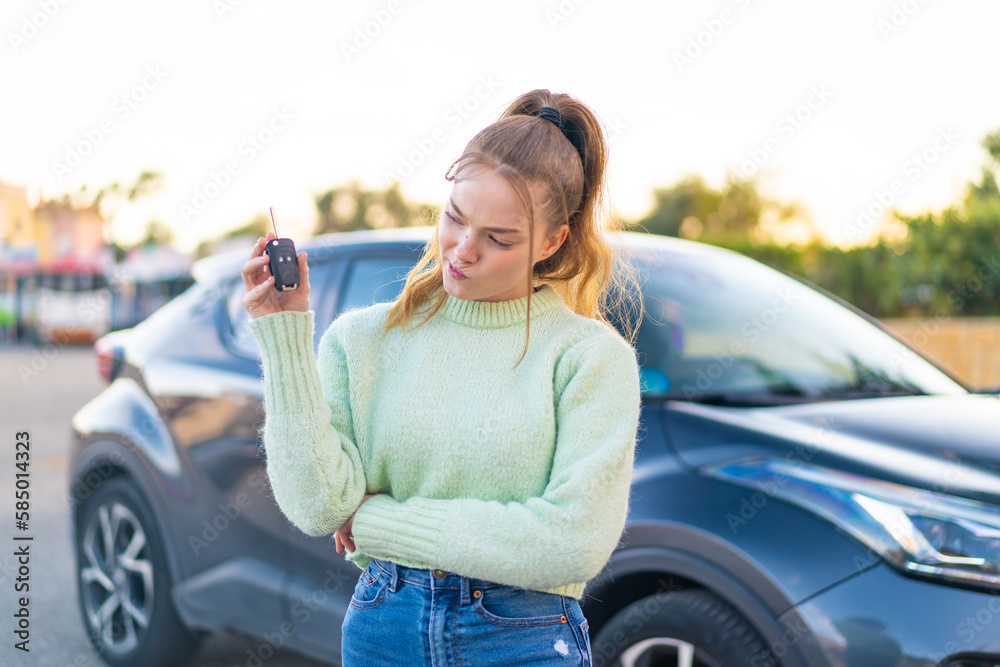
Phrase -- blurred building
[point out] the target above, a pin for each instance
(18, 235)
(58, 279)
(54, 236)
(71, 239)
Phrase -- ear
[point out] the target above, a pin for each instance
(554, 242)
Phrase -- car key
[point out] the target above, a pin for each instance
(283, 261)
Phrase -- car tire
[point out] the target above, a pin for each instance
(124, 596)
(689, 628)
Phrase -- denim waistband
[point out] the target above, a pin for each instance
(431, 578)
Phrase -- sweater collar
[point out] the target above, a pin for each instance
(498, 314)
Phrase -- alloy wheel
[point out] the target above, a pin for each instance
(116, 577)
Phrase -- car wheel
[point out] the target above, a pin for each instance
(123, 584)
(690, 628)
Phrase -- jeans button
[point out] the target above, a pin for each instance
(440, 574)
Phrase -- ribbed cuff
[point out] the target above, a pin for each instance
(384, 527)
(412, 533)
(291, 378)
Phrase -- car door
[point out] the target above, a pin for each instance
(234, 535)
(323, 581)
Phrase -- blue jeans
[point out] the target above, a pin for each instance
(407, 617)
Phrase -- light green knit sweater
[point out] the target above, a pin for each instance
(519, 477)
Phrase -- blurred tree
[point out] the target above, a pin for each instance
(943, 263)
(694, 210)
(157, 233)
(118, 250)
(146, 183)
(258, 226)
(351, 207)
(992, 145)
(951, 256)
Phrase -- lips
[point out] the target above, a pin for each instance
(455, 272)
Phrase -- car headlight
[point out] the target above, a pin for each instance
(916, 530)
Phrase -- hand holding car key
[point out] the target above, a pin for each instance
(275, 277)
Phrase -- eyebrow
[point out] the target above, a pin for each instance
(499, 230)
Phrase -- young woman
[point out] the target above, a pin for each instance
(471, 444)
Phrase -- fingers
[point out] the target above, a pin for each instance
(303, 271)
(344, 542)
(257, 249)
(254, 267)
(255, 296)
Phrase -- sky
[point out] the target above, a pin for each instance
(850, 108)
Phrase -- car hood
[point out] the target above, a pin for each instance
(949, 444)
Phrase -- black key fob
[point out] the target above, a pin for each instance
(284, 264)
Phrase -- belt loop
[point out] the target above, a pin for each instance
(390, 567)
(465, 590)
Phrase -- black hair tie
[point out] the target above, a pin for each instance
(566, 125)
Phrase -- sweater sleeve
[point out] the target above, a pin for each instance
(313, 464)
(566, 535)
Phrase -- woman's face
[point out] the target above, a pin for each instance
(483, 234)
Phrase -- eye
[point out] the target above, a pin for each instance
(453, 219)
(501, 243)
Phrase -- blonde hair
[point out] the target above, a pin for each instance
(526, 150)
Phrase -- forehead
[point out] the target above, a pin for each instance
(484, 197)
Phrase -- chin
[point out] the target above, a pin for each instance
(455, 288)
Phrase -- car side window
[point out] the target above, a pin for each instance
(241, 339)
(374, 280)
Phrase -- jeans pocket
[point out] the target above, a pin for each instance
(512, 606)
(371, 588)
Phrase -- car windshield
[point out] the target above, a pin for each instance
(721, 328)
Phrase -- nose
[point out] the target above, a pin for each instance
(464, 250)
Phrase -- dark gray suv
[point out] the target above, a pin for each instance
(808, 489)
